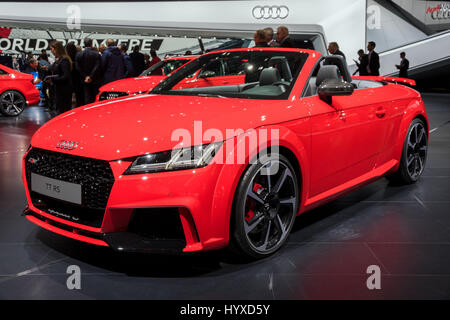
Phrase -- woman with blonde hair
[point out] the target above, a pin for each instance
(61, 78)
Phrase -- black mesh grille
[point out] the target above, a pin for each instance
(111, 95)
(94, 176)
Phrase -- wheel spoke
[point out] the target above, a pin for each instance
(281, 180)
(423, 148)
(266, 236)
(250, 227)
(421, 134)
(15, 107)
(254, 196)
(290, 201)
(410, 160)
(280, 225)
(266, 170)
(420, 162)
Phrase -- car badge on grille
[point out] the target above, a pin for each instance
(67, 145)
(33, 160)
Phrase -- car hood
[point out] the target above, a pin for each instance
(133, 85)
(118, 129)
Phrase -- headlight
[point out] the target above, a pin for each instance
(177, 159)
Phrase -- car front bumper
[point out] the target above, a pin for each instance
(199, 198)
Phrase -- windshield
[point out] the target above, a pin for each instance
(164, 68)
(255, 74)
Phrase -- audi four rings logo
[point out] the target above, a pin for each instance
(67, 145)
(270, 12)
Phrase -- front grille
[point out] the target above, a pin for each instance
(94, 176)
(107, 95)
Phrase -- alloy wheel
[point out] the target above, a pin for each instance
(12, 103)
(416, 152)
(270, 206)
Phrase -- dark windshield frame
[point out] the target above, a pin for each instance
(193, 66)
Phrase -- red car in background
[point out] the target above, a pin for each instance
(17, 90)
(145, 82)
(127, 175)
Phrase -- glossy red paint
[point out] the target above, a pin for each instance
(410, 82)
(138, 85)
(337, 148)
(11, 79)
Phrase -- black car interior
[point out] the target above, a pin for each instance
(275, 77)
(334, 67)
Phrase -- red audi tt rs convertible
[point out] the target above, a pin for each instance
(191, 167)
(145, 82)
(17, 90)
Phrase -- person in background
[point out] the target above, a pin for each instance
(44, 55)
(283, 38)
(138, 61)
(333, 48)
(129, 69)
(188, 53)
(28, 58)
(155, 58)
(77, 85)
(33, 68)
(44, 66)
(361, 63)
(61, 77)
(113, 65)
(15, 62)
(22, 62)
(147, 61)
(373, 66)
(48, 58)
(269, 37)
(88, 62)
(260, 38)
(403, 66)
(102, 48)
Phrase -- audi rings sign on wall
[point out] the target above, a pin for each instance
(270, 12)
(67, 145)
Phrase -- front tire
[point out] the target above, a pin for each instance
(264, 207)
(12, 103)
(414, 155)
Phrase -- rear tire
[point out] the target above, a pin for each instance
(414, 155)
(264, 208)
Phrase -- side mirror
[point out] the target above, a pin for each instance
(334, 87)
(206, 74)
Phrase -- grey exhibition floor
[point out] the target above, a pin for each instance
(404, 230)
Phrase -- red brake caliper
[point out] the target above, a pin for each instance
(251, 204)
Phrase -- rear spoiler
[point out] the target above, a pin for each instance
(410, 82)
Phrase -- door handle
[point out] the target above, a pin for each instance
(381, 112)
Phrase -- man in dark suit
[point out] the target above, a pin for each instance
(283, 38)
(88, 63)
(403, 66)
(373, 67)
(113, 63)
(333, 48)
(362, 64)
(129, 68)
(260, 38)
(138, 61)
